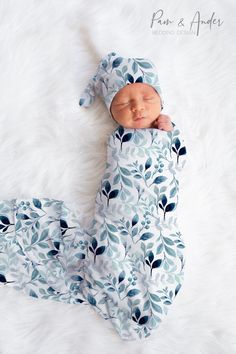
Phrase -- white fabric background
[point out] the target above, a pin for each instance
(51, 147)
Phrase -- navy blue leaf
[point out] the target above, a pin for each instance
(170, 207)
(104, 193)
(177, 143)
(94, 243)
(122, 276)
(182, 151)
(100, 250)
(177, 289)
(107, 187)
(113, 194)
(56, 244)
(63, 224)
(139, 79)
(143, 320)
(157, 263)
(2, 278)
(137, 313)
(164, 200)
(148, 163)
(52, 253)
(4, 220)
(121, 130)
(161, 206)
(130, 78)
(127, 137)
(135, 220)
(150, 256)
(118, 136)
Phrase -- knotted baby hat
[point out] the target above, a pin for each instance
(115, 72)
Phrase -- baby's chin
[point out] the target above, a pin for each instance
(142, 123)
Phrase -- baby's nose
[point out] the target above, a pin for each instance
(137, 106)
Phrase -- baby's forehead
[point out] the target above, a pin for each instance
(135, 88)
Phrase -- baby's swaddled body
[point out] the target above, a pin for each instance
(128, 265)
(136, 247)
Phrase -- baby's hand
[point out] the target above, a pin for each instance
(163, 122)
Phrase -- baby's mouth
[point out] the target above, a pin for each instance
(138, 118)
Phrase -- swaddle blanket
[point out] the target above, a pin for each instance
(128, 265)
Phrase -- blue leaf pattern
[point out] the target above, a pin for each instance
(128, 265)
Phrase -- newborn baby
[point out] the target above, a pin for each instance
(128, 264)
(135, 225)
(138, 106)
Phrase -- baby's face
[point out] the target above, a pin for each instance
(136, 106)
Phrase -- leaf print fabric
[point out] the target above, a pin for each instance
(128, 265)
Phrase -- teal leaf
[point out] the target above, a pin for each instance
(156, 307)
(144, 64)
(37, 203)
(77, 278)
(32, 293)
(133, 292)
(146, 305)
(154, 297)
(125, 171)
(159, 179)
(80, 255)
(21, 216)
(126, 181)
(117, 62)
(91, 300)
(146, 236)
(170, 251)
(159, 248)
(111, 228)
(113, 238)
(34, 238)
(173, 192)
